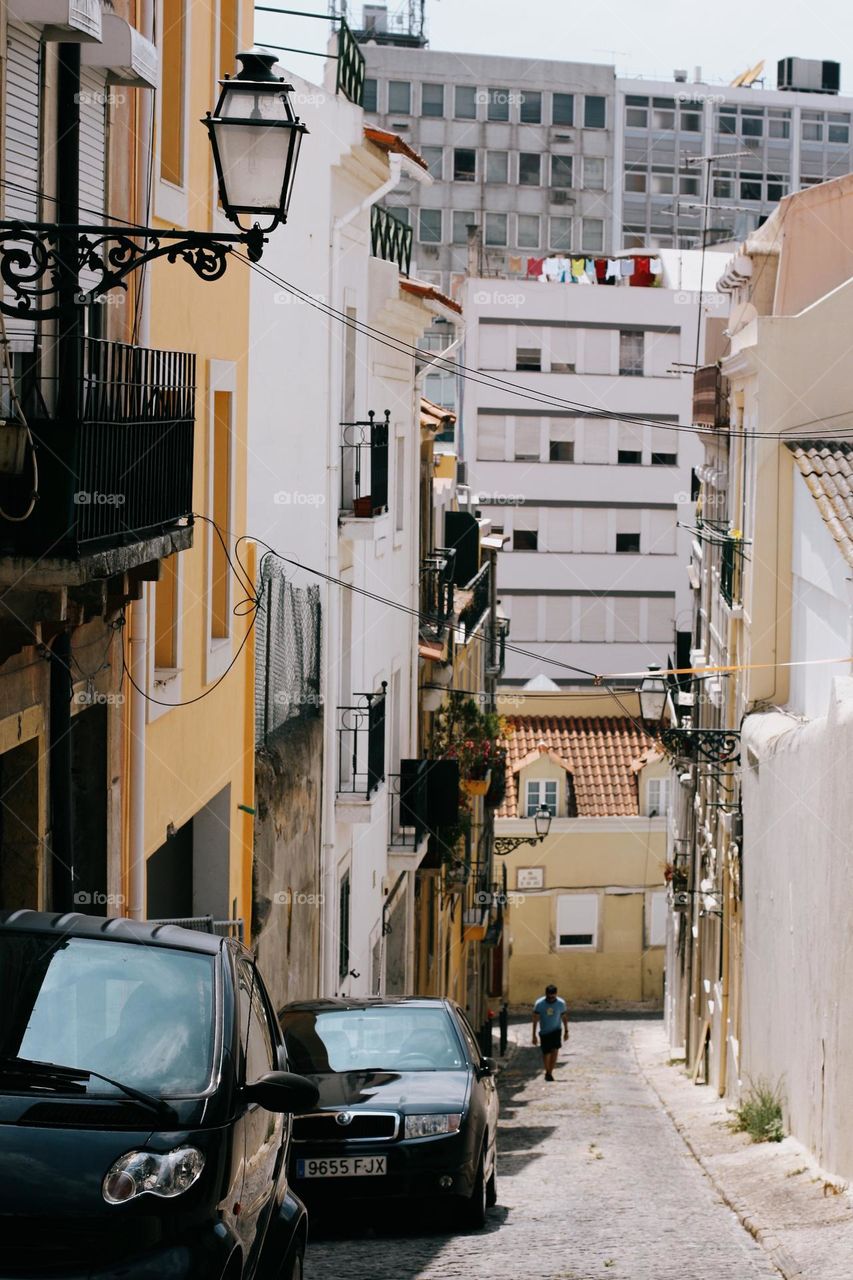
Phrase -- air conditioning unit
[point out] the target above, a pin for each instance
(808, 75)
(562, 197)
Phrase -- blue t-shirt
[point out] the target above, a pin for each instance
(550, 1014)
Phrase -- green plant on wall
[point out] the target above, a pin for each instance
(474, 738)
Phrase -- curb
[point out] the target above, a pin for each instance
(783, 1261)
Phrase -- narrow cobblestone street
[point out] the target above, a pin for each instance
(594, 1184)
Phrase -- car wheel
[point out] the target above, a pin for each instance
(473, 1210)
(295, 1268)
(492, 1185)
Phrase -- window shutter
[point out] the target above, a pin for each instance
(491, 438)
(21, 130)
(577, 920)
(527, 439)
(93, 147)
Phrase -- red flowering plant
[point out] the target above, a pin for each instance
(475, 739)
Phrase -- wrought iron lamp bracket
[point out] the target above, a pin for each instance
(508, 844)
(717, 746)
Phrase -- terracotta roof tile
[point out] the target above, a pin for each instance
(602, 753)
(389, 141)
(827, 468)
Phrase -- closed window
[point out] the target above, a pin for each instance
(173, 92)
(432, 100)
(221, 502)
(727, 120)
(343, 927)
(593, 173)
(496, 228)
(528, 231)
(563, 108)
(530, 110)
(399, 97)
(497, 166)
(631, 351)
(540, 794)
(593, 235)
(750, 186)
(628, 543)
(778, 128)
(462, 220)
(635, 180)
(370, 99)
(656, 914)
(751, 123)
(838, 127)
(629, 457)
(498, 104)
(561, 234)
(777, 186)
(657, 797)
(577, 920)
(434, 157)
(691, 122)
(688, 185)
(812, 127)
(491, 438)
(464, 164)
(594, 112)
(663, 184)
(561, 171)
(465, 102)
(637, 117)
(527, 441)
(429, 226)
(529, 169)
(400, 212)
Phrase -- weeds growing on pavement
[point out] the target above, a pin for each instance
(760, 1113)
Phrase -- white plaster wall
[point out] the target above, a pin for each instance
(798, 944)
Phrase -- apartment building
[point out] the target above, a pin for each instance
(591, 506)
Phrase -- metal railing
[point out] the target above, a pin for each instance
(364, 466)
(123, 468)
(350, 78)
(406, 811)
(436, 589)
(731, 558)
(361, 743)
(472, 612)
(207, 924)
(390, 239)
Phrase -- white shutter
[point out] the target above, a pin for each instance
(558, 618)
(524, 617)
(662, 532)
(626, 619)
(657, 797)
(491, 438)
(93, 148)
(560, 529)
(21, 150)
(656, 919)
(577, 920)
(593, 529)
(527, 440)
(597, 433)
(660, 625)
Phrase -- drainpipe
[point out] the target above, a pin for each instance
(61, 807)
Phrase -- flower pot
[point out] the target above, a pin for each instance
(476, 786)
(363, 507)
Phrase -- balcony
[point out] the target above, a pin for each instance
(115, 482)
(731, 564)
(361, 755)
(436, 591)
(477, 591)
(364, 475)
(350, 71)
(709, 398)
(390, 239)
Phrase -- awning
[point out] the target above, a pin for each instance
(124, 53)
(71, 21)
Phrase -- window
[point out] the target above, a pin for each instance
(636, 117)
(663, 121)
(577, 920)
(462, 219)
(727, 120)
(400, 486)
(688, 185)
(657, 797)
(540, 793)
(525, 540)
(594, 112)
(691, 122)
(465, 102)
(631, 351)
(399, 97)
(400, 212)
(561, 234)
(629, 457)
(838, 128)
(563, 108)
(751, 122)
(778, 128)
(497, 166)
(491, 438)
(635, 180)
(593, 173)
(529, 169)
(370, 101)
(432, 100)
(656, 908)
(560, 450)
(434, 157)
(166, 615)
(561, 171)
(498, 104)
(220, 570)
(750, 186)
(464, 164)
(527, 441)
(343, 927)
(664, 459)
(812, 126)
(255, 1028)
(496, 228)
(723, 186)
(429, 224)
(528, 358)
(592, 240)
(528, 231)
(663, 182)
(530, 111)
(229, 36)
(173, 92)
(628, 543)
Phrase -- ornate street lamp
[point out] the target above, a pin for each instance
(255, 138)
(542, 825)
(719, 746)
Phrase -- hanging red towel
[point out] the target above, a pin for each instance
(642, 272)
(601, 270)
(534, 266)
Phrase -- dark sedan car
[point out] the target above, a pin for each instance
(144, 1124)
(408, 1105)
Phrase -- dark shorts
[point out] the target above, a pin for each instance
(549, 1041)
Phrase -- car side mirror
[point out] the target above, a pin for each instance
(282, 1091)
(488, 1066)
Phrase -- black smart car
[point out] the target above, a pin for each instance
(144, 1124)
(408, 1105)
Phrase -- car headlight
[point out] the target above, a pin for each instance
(162, 1174)
(432, 1124)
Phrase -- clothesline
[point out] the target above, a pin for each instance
(640, 270)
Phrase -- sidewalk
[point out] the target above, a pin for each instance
(797, 1212)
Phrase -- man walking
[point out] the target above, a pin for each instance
(548, 1012)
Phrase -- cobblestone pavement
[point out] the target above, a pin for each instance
(594, 1183)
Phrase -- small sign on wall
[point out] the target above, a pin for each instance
(530, 878)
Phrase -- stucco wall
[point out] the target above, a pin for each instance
(798, 953)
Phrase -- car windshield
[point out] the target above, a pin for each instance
(393, 1038)
(141, 1015)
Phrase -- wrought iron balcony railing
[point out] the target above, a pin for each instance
(350, 78)
(472, 612)
(390, 239)
(731, 561)
(436, 589)
(361, 744)
(122, 468)
(364, 466)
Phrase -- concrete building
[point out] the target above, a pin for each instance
(589, 504)
(586, 907)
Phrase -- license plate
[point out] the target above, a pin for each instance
(346, 1167)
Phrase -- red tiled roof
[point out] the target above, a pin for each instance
(602, 753)
(389, 141)
(422, 290)
(827, 468)
(434, 417)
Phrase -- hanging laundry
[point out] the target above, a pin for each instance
(656, 266)
(626, 267)
(641, 277)
(515, 264)
(589, 268)
(601, 270)
(578, 267)
(534, 268)
(550, 269)
(612, 270)
(563, 268)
